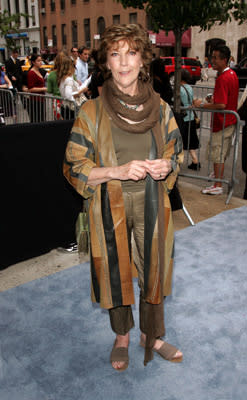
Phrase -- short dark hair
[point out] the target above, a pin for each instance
(185, 76)
(81, 49)
(224, 52)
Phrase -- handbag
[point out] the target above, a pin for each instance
(82, 231)
(82, 225)
(197, 120)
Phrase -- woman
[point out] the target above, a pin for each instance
(189, 135)
(97, 80)
(160, 80)
(69, 88)
(36, 85)
(52, 84)
(5, 82)
(126, 165)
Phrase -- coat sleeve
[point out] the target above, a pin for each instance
(80, 152)
(173, 149)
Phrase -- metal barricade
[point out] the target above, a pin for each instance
(205, 143)
(7, 103)
(32, 107)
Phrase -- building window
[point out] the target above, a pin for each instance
(53, 5)
(54, 35)
(149, 23)
(42, 3)
(87, 34)
(116, 19)
(74, 33)
(85, 1)
(62, 5)
(242, 49)
(27, 13)
(72, 2)
(33, 16)
(63, 33)
(17, 8)
(133, 18)
(101, 25)
(45, 38)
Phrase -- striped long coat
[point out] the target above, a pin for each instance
(111, 274)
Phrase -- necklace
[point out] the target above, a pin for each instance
(127, 106)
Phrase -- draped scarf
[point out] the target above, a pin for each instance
(147, 118)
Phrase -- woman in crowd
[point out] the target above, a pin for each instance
(52, 84)
(160, 80)
(123, 155)
(36, 85)
(69, 88)
(189, 135)
(5, 82)
(97, 80)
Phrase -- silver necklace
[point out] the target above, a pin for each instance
(127, 106)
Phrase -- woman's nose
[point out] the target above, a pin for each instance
(123, 59)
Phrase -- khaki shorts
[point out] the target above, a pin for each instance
(220, 146)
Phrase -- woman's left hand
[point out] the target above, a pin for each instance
(158, 169)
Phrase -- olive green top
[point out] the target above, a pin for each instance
(128, 147)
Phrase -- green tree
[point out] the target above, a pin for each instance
(179, 15)
(9, 24)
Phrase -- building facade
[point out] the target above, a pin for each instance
(231, 34)
(68, 23)
(28, 37)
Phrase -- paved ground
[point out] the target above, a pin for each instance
(199, 206)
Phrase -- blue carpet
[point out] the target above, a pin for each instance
(54, 345)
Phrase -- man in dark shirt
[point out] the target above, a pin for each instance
(14, 71)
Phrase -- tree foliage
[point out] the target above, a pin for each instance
(9, 24)
(179, 15)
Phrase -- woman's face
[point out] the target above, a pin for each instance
(125, 64)
(38, 62)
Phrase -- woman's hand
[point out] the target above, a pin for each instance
(158, 169)
(134, 170)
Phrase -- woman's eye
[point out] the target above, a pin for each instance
(132, 52)
(114, 54)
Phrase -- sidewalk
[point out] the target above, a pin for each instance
(200, 207)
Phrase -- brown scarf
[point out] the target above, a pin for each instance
(148, 118)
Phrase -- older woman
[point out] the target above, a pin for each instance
(123, 156)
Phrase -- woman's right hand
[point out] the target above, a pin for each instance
(134, 170)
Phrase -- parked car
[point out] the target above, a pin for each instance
(241, 71)
(191, 64)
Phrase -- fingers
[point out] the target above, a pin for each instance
(134, 170)
(159, 168)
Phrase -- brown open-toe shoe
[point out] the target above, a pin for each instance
(120, 354)
(167, 351)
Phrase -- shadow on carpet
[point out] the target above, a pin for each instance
(54, 345)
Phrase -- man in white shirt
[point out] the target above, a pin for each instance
(82, 64)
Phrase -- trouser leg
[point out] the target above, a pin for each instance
(121, 318)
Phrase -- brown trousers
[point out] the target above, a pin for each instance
(121, 318)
